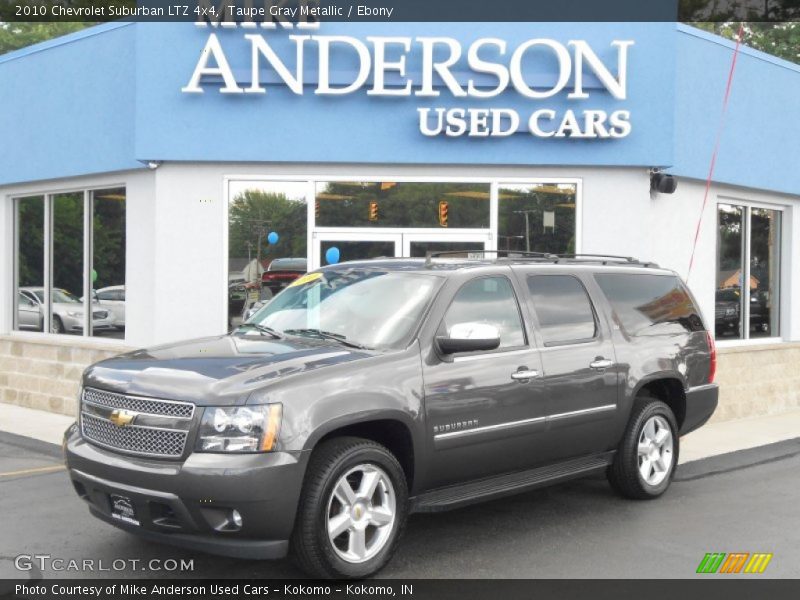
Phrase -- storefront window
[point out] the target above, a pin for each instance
(765, 227)
(537, 217)
(402, 204)
(108, 266)
(66, 307)
(30, 262)
(266, 241)
(755, 303)
(55, 298)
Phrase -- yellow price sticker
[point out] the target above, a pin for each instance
(307, 278)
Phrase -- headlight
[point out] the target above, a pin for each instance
(239, 428)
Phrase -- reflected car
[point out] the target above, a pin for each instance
(112, 298)
(283, 271)
(727, 306)
(29, 315)
(68, 311)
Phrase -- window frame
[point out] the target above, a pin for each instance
(546, 344)
(48, 196)
(747, 207)
(468, 355)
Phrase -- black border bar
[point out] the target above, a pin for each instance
(96, 11)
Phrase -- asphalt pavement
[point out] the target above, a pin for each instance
(747, 501)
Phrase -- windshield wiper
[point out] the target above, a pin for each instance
(263, 329)
(327, 335)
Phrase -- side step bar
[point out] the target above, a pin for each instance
(463, 494)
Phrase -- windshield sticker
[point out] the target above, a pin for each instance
(305, 279)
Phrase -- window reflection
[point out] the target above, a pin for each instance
(748, 275)
(563, 309)
(30, 262)
(765, 228)
(435, 205)
(537, 217)
(257, 268)
(66, 314)
(488, 300)
(108, 268)
(728, 308)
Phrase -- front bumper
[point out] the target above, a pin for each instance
(701, 402)
(76, 323)
(185, 503)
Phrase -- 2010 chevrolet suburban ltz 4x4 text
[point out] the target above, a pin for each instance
(368, 390)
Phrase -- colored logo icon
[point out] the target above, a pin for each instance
(734, 562)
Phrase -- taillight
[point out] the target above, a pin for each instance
(712, 349)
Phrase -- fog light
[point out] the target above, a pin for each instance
(236, 518)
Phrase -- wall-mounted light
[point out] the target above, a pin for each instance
(662, 183)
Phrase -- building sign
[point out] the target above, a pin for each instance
(494, 67)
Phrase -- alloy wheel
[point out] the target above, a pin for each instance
(361, 513)
(655, 450)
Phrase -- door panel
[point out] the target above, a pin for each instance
(481, 420)
(580, 376)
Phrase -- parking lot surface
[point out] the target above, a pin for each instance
(747, 501)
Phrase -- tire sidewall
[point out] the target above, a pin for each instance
(388, 463)
(652, 409)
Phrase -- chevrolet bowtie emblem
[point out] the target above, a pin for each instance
(121, 418)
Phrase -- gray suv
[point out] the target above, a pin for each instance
(369, 390)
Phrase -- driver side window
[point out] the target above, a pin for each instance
(490, 301)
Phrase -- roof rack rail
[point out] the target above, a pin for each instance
(544, 256)
(516, 254)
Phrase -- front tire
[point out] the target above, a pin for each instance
(352, 511)
(57, 326)
(648, 454)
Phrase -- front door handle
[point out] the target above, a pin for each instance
(601, 363)
(524, 375)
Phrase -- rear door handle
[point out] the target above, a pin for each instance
(524, 375)
(601, 363)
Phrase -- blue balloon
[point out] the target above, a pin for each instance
(332, 255)
(272, 238)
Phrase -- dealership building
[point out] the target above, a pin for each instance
(144, 166)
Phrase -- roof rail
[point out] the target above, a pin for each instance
(545, 257)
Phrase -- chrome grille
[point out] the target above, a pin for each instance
(168, 408)
(132, 438)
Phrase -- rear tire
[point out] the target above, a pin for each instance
(646, 458)
(352, 510)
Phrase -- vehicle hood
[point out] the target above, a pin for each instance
(220, 371)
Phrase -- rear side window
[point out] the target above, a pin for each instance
(650, 304)
(563, 309)
(489, 300)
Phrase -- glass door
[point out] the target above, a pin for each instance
(417, 245)
(330, 247)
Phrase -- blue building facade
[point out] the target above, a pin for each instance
(139, 142)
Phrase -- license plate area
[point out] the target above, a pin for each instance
(122, 508)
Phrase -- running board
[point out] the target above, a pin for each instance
(462, 494)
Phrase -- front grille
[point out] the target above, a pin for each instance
(132, 438)
(168, 408)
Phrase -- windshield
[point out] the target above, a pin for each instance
(59, 295)
(375, 309)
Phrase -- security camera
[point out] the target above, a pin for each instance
(662, 182)
(153, 164)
